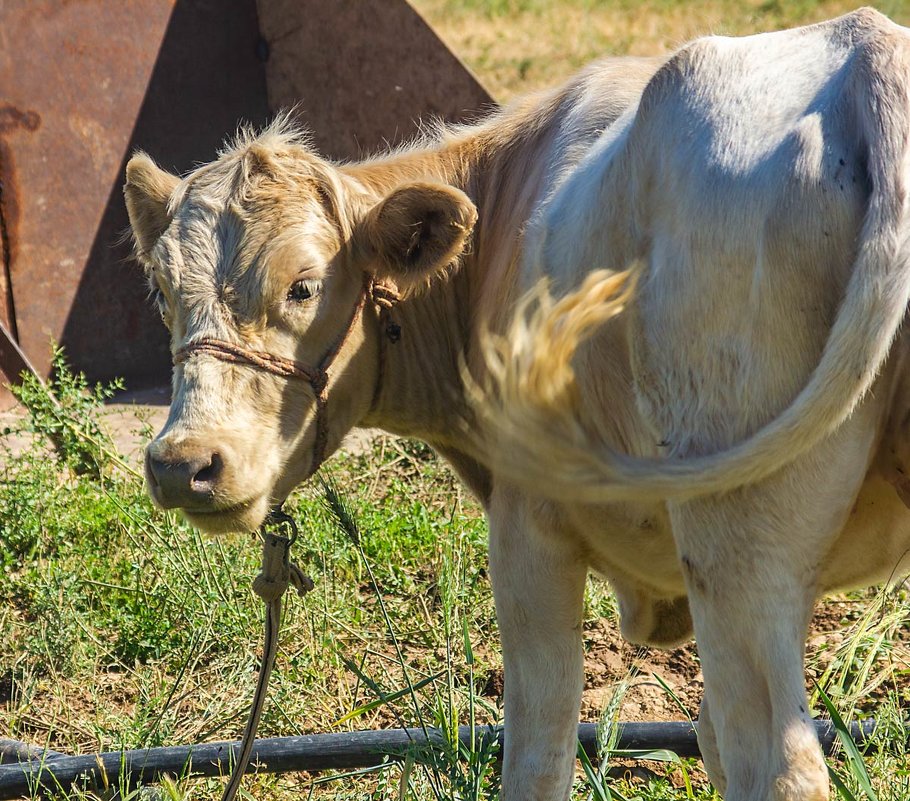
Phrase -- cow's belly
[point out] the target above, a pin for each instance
(874, 544)
(630, 542)
(632, 546)
(634, 543)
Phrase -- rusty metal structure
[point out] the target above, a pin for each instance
(83, 83)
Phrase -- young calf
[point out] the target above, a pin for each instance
(711, 443)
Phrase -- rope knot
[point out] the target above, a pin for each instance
(384, 299)
(384, 296)
(278, 571)
(275, 575)
(319, 381)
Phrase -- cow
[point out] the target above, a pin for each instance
(711, 412)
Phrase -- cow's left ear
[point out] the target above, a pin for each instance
(417, 230)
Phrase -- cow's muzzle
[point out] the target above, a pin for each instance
(188, 480)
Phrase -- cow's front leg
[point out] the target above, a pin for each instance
(538, 576)
(707, 744)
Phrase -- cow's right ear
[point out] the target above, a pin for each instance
(417, 230)
(147, 191)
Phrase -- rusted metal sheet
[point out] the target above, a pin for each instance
(362, 71)
(8, 340)
(72, 78)
(13, 360)
(13, 364)
(7, 313)
(81, 84)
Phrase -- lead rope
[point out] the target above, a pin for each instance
(277, 572)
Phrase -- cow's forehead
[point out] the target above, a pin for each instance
(268, 200)
(235, 247)
(201, 241)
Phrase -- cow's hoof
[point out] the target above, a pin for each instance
(805, 780)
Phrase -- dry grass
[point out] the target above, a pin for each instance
(515, 46)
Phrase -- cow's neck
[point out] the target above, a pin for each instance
(422, 393)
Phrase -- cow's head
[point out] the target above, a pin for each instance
(270, 252)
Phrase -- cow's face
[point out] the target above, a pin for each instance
(271, 251)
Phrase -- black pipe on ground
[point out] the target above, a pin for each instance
(315, 752)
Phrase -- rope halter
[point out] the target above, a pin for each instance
(383, 299)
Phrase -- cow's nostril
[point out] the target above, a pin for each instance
(206, 478)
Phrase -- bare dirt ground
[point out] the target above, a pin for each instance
(609, 657)
(641, 677)
(129, 419)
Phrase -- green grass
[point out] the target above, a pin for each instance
(121, 627)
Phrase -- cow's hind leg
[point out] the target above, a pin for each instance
(751, 562)
(538, 577)
(751, 598)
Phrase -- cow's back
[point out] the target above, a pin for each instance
(740, 188)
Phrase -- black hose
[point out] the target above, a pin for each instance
(315, 752)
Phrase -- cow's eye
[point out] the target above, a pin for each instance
(159, 300)
(301, 291)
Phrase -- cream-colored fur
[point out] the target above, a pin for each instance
(758, 160)
(716, 421)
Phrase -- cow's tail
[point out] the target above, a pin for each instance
(536, 437)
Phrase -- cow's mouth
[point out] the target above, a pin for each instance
(240, 517)
(227, 510)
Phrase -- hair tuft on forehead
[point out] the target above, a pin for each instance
(281, 148)
(281, 133)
